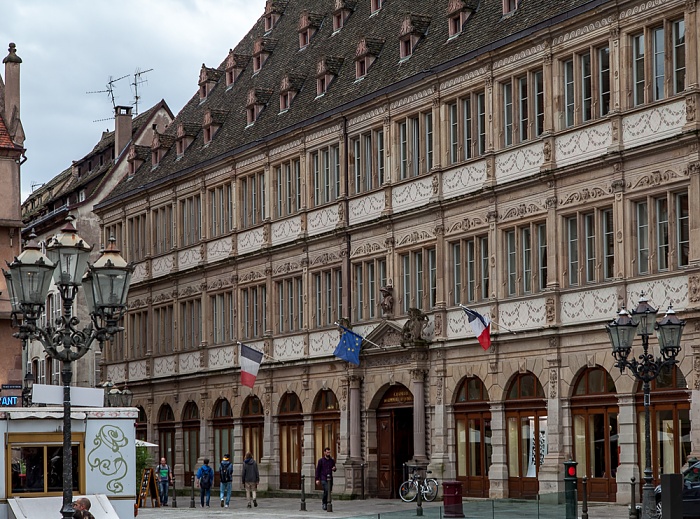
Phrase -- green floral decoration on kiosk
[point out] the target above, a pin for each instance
(106, 456)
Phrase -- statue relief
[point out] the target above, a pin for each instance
(387, 301)
(413, 329)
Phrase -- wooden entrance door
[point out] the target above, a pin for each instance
(394, 448)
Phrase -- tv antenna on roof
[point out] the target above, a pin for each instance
(138, 81)
(109, 89)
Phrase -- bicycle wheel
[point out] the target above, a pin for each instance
(408, 491)
(430, 489)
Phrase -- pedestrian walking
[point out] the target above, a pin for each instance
(204, 479)
(225, 478)
(250, 478)
(324, 474)
(164, 477)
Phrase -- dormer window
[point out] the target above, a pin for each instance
(413, 28)
(458, 11)
(273, 12)
(159, 146)
(289, 88)
(213, 119)
(510, 6)
(376, 5)
(308, 25)
(262, 48)
(235, 63)
(257, 99)
(207, 81)
(367, 51)
(326, 70)
(185, 136)
(134, 159)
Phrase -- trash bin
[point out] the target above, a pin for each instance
(452, 498)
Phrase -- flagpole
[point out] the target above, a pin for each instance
(363, 338)
(494, 322)
(239, 343)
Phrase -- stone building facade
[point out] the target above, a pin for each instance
(380, 163)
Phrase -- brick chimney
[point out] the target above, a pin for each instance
(11, 115)
(122, 128)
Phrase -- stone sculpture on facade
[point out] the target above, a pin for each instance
(387, 301)
(412, 333)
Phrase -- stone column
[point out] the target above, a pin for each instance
(498, 473)
(418, 390)
(550, 474)
(439, 432)
(627, 443)
(355, 419)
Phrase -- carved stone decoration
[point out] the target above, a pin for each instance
(553, 382)
(547, 151)
(438, 325)
(550, 310)
(694, 288)
(435, 182)
(412, 333)
(438, 389)
(341, 212)
(690, 109)
(387, 301)
(696, 369)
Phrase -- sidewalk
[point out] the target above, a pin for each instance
(372, 509)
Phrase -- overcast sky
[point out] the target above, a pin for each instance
(70, 47)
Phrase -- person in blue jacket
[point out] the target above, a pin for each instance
(204, 480)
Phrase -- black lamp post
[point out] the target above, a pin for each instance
(115, 397)
(27, 389)
(105, 285)
(646, 367)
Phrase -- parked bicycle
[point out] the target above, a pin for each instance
(408, 491)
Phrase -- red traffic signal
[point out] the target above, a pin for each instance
(571, 471)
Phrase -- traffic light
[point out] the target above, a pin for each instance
(570, 470)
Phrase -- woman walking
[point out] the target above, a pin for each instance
(250, 478)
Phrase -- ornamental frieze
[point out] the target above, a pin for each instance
(415, 237)
(466, 224)
(653, 179)
(365, 249)
(520, 211)
(584, 195)
(251, 275)
(325, 259)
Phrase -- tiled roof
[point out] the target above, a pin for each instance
(485, 30)
(5, 139)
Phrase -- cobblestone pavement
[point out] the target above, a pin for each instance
(375, 509)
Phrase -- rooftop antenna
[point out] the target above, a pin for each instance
(109, 90)
(35, 185)
(138, 81)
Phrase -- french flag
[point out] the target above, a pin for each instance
(250, 363)
(481, 326)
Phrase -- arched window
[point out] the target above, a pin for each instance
(166, 434)
(526, 429)
(595, 432)
(190, 438)
(473, 437)
(253, 423)
(142, 425)
(291, 429)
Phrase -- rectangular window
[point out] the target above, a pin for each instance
(368, 277)
(586, 87)
(638, 69)
(470, 270)
(252, 199)
(328, 296)
(162, 229)
(508, 114)
(604, 80)
(519, 111)
(572, 250)
(415, 140)
(326, 174)
(137, 333)
(220, 203)
(454, 132)
(467, 131)
(190, 220)
(163, 326)
(481, 122)
(523, 110)
(569, 92)
(462, 127)
(428, 140)
(682, 229)
(608, 244)
(253, 311)
(678, 57)
(222, 312)
(658, 63)
(539, 103)
(662, 235)
(590, 245)
(642, 238)
(288, 187)
(290, 308)
(137, 237)
(417, 285)
(526, 259)
(367, 160)
(190, 324)
(456, 249)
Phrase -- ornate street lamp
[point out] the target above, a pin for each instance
(106, 284)
(646, 367)
(27, 389)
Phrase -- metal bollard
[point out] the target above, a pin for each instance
(584, 504)
(633, 504)
(419, 497)
(329, 482)
(302, 507)
(362, 471)
(174, 495)
(192, 499)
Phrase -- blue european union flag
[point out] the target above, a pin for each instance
(348, 348)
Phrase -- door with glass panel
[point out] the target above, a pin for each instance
(253, 424)
(223, 434)
(326, 425)
(190, 440)
(526, 435)
(291, 430)
(166, 435)
(473, 437)
(595, 430)
(670, 423)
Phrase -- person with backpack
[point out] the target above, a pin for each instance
(164, 477)
(250, 477)
(225, 478)
(204, 479)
